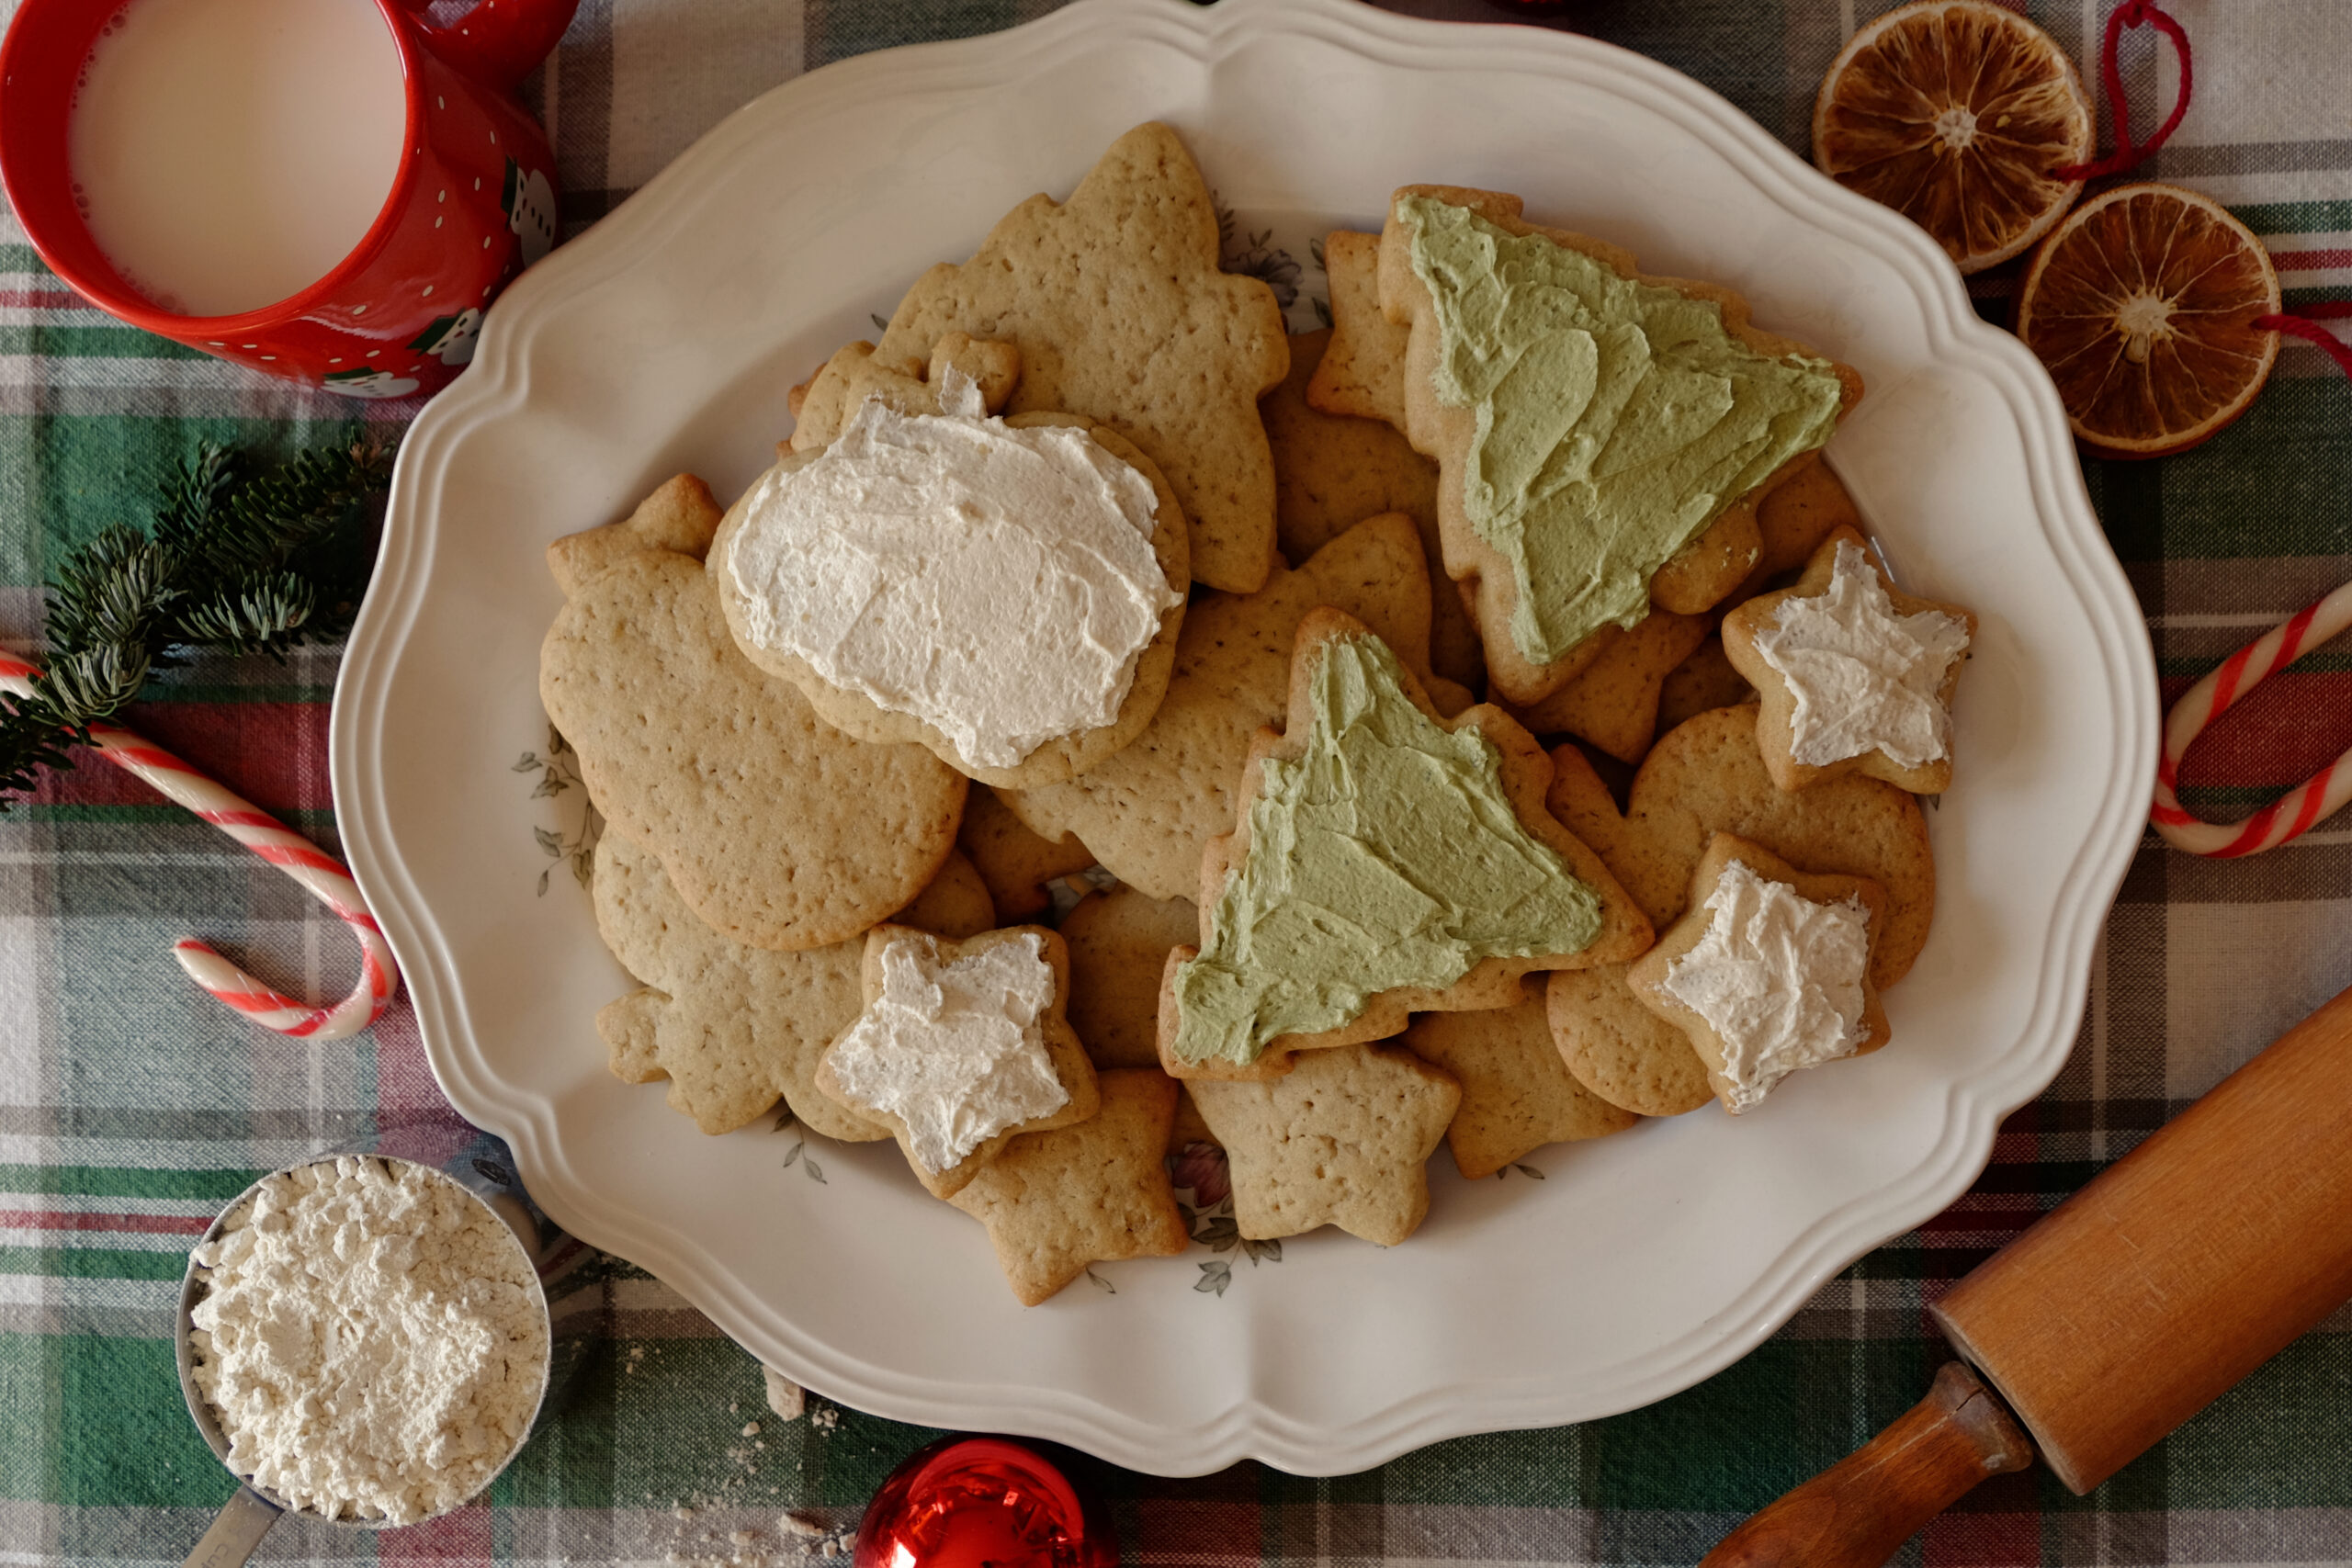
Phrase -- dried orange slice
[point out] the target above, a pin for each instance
(1959, 115)
(2142, 304)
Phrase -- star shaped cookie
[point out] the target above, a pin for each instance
(1701, 779)
(1343, 1140)
(1055, 1201)
(731, 1027)
(962, 1047)
(1854, 676)
(1767, 971)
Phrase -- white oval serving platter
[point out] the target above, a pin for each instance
(666, 339)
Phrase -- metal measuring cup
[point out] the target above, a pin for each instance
(253, 1509)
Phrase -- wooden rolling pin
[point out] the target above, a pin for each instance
(2119, 1315)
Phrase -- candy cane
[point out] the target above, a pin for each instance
(321, 875)
(2209, 699)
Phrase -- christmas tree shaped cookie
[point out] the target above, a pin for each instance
(1116, 302)
(1603, 437)
(1385, 861)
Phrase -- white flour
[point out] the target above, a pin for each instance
(373, 1340)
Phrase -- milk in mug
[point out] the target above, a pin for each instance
(229, 153)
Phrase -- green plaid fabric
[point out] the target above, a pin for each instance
(131, 1107)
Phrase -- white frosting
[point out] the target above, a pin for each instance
(1778, 977)
(1863, 677)
(954, 1050)
(997, 583)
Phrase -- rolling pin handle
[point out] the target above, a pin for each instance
(1858, 1512)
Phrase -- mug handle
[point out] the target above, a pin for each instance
(498, 43)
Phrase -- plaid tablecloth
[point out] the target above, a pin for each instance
(130, 1106)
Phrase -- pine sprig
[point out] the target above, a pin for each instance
(237, 561)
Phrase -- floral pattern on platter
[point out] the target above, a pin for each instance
(799, 1152)
(1205, 1192)
(559, 772)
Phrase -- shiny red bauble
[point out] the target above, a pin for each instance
(984, 1502)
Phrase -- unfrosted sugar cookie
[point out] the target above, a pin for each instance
(1343, 1140)
(1517, 1095)
(1686, 416)
(777, 829)
(1383, 862)
(1016, 864)
(1116, 302)
(1150, 811)
(1331, 473)
(1119, 942)
(730, 1028)
(1614, 702)
(1769, 970)
(1096, 1192)
(1855, 676)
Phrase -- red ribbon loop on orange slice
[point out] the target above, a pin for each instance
(2128, 154)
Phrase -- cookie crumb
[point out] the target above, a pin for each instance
(784, 1396)
(804, 1525)
(750, 1428)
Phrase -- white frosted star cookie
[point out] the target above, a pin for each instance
(1769, 970)
(963, 1047)
(1854, 676)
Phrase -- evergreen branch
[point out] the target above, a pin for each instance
(30, 739)
(236, 562)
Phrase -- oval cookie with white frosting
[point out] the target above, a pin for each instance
(1006, 592)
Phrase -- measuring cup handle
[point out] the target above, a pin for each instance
(499, 42)
(242, 1521)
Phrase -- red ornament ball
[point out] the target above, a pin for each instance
(984, 1502)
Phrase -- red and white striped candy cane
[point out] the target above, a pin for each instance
(2209, 699)
(321, 875)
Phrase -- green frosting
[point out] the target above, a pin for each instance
(1388, 855)
(1616, 420)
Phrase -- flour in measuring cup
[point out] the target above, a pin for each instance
(372, 1340)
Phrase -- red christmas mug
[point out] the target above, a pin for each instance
(474, 203)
